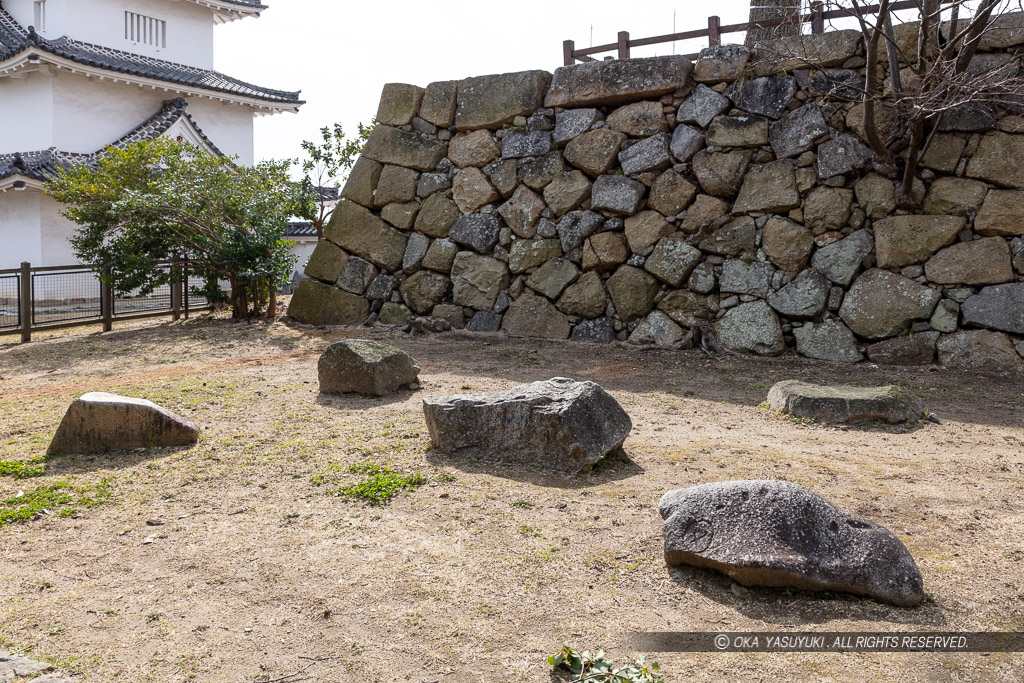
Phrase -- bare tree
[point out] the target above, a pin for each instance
(773, 10)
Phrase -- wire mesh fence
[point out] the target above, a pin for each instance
(65, 296)
(10, 309)
(136, 302)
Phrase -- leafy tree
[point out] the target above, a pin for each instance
(327, 165)
(164, 199)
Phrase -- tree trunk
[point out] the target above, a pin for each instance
(768, 10)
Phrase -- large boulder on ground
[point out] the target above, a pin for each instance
(617, 81)
(493, 101)
(776, 533)
(99, 422)
(359, 366)
(558, 424)
(315, 303)
(845, 404)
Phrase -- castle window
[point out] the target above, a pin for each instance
(40, 15)
(138, 28)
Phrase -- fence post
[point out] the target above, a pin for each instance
(25, 301)
(623, 44)
(176, 290)
(568, 52)
(714, 34)
(184, 287)
(106, 303)
(817, 17)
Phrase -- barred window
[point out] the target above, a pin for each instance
(138, 28)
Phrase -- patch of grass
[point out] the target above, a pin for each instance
(522, 504)
(380, 485)
(527, 530)
(23, 470)
(59, 499)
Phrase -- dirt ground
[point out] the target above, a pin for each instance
(257, 574)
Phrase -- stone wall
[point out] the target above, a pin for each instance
(633, 199)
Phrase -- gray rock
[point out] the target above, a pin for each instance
(577, 226)
(573, 123)
(471, 190)
(740, 277)
(439, 100)
(441, 255)
(946, 316)
(99, 422)
(326, 262)
(999, 308)
(355, 229)
(597, 331)
(650, 154)
(775, 533)
(841, 260)
(638, 119)
(798, 131)
(644, 230)
(415, 249)
(685, 143)
(688, 308)
(424, 290)
(979, 262)
(473, 149)
(721, 63)
(617, 81)
(769, 188)
(381, 288)
(558, 425)
(721, 173)
(596, 151)
(527, 254)
(566, 192)
(832, 48)
(437, 215)
(493, 101)
(702, 279)
(911, 349)
(840, 84)
(802, 299)
(502, 303)
(701, 106)
(389, 145)
(845, 404)
(904, 240)
(828, 340)
(767, 96)
(657, 328)
(787, 244)
(534, 143)
(632, 291)
(534, 316)
(365, 367)
(484, 321)
(585, 298)
(553, 277)
(357, 275)
(396, 184)
(504, 175)
(477, 280)
(315, 303)
(751, 327)
(842, 154)
(522, 212)
(537, 174)
(362, 181)
(737, 131)
(617, 194)
(979, 350)
(882, 304)
(672, 261)
(477, 231)
(737, 239)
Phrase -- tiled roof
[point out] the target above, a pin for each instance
(300, 229)
(15, 39)
(41, 164)
(246, 3)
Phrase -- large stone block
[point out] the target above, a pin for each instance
(774, 533)
(647, 155)
(876, 195)
(605, 252)
(577, 226)
(99, 422)
(689, 309)
(492, 101)
(657, 328)
(553, 277)
(473, 149)
(845, 404)
(359, 366)
(737, 131)
(471, 190)
(520, 144)
(357, 275)
(832, 48)
(534, 316)
(702, 106)
(326, 262)
(523, 210)
(842, 154)
(979, 350)
(424, 290)
(996, 160)
(740, 277)
(477, 280)
(618, 194)
(527, 254)
(437, 215)
(721, 174)
(632, 291)
(751, 328)
(672, 261)
(585, 298)
(574, 122)
(737, 239)
(910, 349)
(558, 425)
(362, 181)
(841, 260)
(315, 303)
(959, 197)
(392, 146)
(769, 188)
(881, 304)
(440, 255)
(787, 244)
(638, 119)
(804, 298)
(905, 240)
(721, 63)
(358, 231)
(671, 193)
(396, 184)
(566, 192)
(617, 81)
(595, 152)
(798, 131)
(438, 105)
(1000, 308)
(644, 229)
(477, 231)
(828, 208)
(828, 340)
(539, 173)
(980, 262)
(1001, 214)
(399, 102)
(768, 96)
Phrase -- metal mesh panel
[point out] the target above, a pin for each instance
(65, 296)
(10, 311)
(194, 300)
(157, 300)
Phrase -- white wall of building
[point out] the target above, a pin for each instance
(20, 227)
(27, 122)
(228, 126)
(187, 38)
(89, 114)
(55, 234)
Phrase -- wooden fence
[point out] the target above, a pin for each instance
(34, 299)
(715, 30)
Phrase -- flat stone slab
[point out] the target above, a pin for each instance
(845, 404)
(20, 668)
(777, 533)
(359, 366)
(558, 424)
(617, 81)
(99, 422)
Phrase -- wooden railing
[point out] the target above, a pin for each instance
(715, 30)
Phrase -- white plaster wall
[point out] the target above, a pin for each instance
(89, 114)
(26, 121)
(228, 126)
(55, 235)
(19, 228)
(303, 249)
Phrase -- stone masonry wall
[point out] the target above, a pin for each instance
(633, 199)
